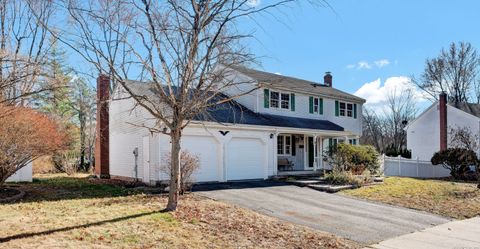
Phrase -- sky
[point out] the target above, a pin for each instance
(370, 46)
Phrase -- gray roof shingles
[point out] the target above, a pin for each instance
(470, 108)
(275, 80)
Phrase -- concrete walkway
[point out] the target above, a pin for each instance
(455, 234)
(358, 220)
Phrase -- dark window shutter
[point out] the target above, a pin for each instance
(266, 98)
(354, 110)
(292, 100)
(321, 106)
(337, 108)
(310, 101)
(294, 145)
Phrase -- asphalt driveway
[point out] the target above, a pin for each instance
(362, 221)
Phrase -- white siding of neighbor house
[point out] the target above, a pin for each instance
(423, 135)
(302, 111)
(22, 175)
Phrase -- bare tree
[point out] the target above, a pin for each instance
(454, 71)
(23, 48)
(385, 129)
(183, 49)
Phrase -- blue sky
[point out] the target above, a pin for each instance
(362, 41)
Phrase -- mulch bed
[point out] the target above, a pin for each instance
(10, 194)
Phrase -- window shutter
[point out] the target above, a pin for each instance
(337, 108)
(266, 98)
(330, 144)
(354, 110)
(321, 107)
(292, 100)
(310, 101)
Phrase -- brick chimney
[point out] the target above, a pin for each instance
(327, 79)
(442, 107)
(102, 154)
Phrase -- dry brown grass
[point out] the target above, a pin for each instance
(67, 212)
(453, 199)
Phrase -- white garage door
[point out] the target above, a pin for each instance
(245, 159)
(207, 149)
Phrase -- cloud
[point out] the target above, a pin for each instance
(381, 63)
(253, 3)
(363, 64)
(377, 94)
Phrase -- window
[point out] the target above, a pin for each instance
(352, 141)
(274, 99)
(284, 145)
(346, 109)
(285, 101)
(349, 110)
(316, 104)
(342, 109)
(280, 100)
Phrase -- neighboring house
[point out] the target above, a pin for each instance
(283, 125)
(22, 175)
(428, 133)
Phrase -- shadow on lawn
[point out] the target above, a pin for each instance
(57, 188)
(64, 229)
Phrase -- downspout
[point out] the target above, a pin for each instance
(135, 154)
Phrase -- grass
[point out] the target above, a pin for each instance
(447, 198)
(73, 212)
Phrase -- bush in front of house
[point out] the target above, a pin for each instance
(189, 163)
(457, 160)
(353, 158)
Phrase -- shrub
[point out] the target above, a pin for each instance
(355, 158)
(340, 177)
(25, 135)
(457, 160)
(188, 165)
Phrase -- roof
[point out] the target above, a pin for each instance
(295, 84)
(233, 113)
(471, 108)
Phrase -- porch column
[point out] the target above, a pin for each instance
(275, 153)
(315, 153)
(346, 140)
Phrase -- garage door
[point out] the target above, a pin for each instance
(207, 150)
(245, 159)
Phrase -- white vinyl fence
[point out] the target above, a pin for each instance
(399, 166)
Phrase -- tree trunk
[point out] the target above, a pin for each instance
(82, 140)
(174, 191)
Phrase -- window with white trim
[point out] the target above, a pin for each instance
(284, 145)
(346, 109)
(316, 105)
(280, 100)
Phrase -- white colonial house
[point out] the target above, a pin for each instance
(281, 127)
(428, 133)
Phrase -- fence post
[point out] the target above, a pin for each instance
(418, 165)
(399, 166)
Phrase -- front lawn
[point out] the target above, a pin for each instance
(452, 199)
(71, 212)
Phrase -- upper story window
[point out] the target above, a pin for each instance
(316, 105)
(280, 100)
(345, 109)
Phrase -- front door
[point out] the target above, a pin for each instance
(310, 152)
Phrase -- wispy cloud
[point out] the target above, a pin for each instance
(254, 3)
(363, 64)
(381, 63)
